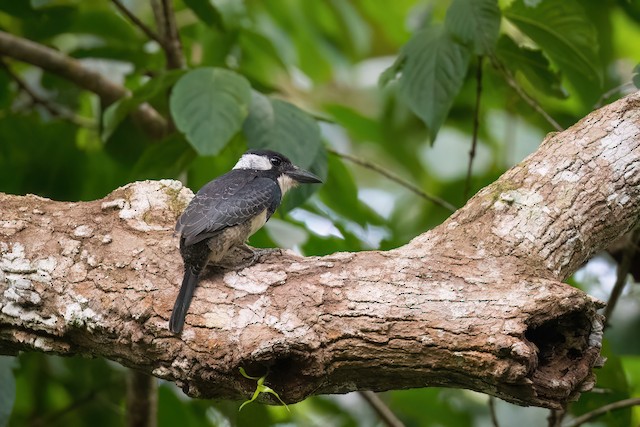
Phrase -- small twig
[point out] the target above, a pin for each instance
(555, 417)
(476, 126)
(71, 69)
(53, 109)
(611, 92)
(393, 177)
(138, 23)
(142, 401)
(381, 408)
(172, 45)
(492, 411)
(511, 81)
(621, 404)
(622, 273)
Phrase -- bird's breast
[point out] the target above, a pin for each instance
(257, 222)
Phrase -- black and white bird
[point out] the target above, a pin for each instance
(226, 211)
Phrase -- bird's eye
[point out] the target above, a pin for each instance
(275, 161)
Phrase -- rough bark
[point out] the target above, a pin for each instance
(476, 303)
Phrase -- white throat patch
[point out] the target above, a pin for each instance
(253, 161)
(286, 183)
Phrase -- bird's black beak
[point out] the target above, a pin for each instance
(302, 176)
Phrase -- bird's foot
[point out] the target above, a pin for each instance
(251, 257)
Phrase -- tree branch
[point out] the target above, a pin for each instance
(511, 81)
(395, 178)
(476, 303)
(53, 109)
(621, 404)
(142, 400)
(138, 23)
(171, 45)
(624, 266)
(381, 408)
(71, 69)
(476, 126)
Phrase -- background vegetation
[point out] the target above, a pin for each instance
(406, 107)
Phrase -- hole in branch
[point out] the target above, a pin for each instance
(561, 340)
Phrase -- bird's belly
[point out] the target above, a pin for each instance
(234, 236)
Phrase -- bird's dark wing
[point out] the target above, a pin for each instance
(226, 201)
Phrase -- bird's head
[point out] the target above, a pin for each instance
(276, 166)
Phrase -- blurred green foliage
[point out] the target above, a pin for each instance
(299, 76)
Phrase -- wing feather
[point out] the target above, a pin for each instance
(227, 201)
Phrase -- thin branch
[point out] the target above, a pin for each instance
(621, 404)
(628, 85)
(142, 401)
(622, 273)
(71, 69)
(158, 15)
(381, 408)
(395, 178)
(511, 81)
(555, 417)
(138, 23)
(476, 126)
(492, 411)
(53, 109)
(172, 45)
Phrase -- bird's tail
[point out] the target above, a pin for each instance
(183, 301)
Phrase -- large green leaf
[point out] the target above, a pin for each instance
(209, 105)
(532, 64)
(475, 23)
(280, 126)
(283, 127)
(7, 388)
(567, 37)
(165, 159)
(432, 67)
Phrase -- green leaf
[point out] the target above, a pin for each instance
(209, 106)
(433, 73)
(299, 195)
(116, 112)
(165, 159)
(475, 23)
(636, 76)
(359, 126)
(103, 23)
(260, 60)
(206, 12)
(281, 126)
(532, 64)
(260, 388)
(612, 378)
(567, 37)
(7, 388)
(340, 192)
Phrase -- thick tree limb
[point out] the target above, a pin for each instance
(71, 69)
(476, 302)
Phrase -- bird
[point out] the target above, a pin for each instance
(226, 211)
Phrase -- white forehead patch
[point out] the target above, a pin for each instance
(253, 161)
